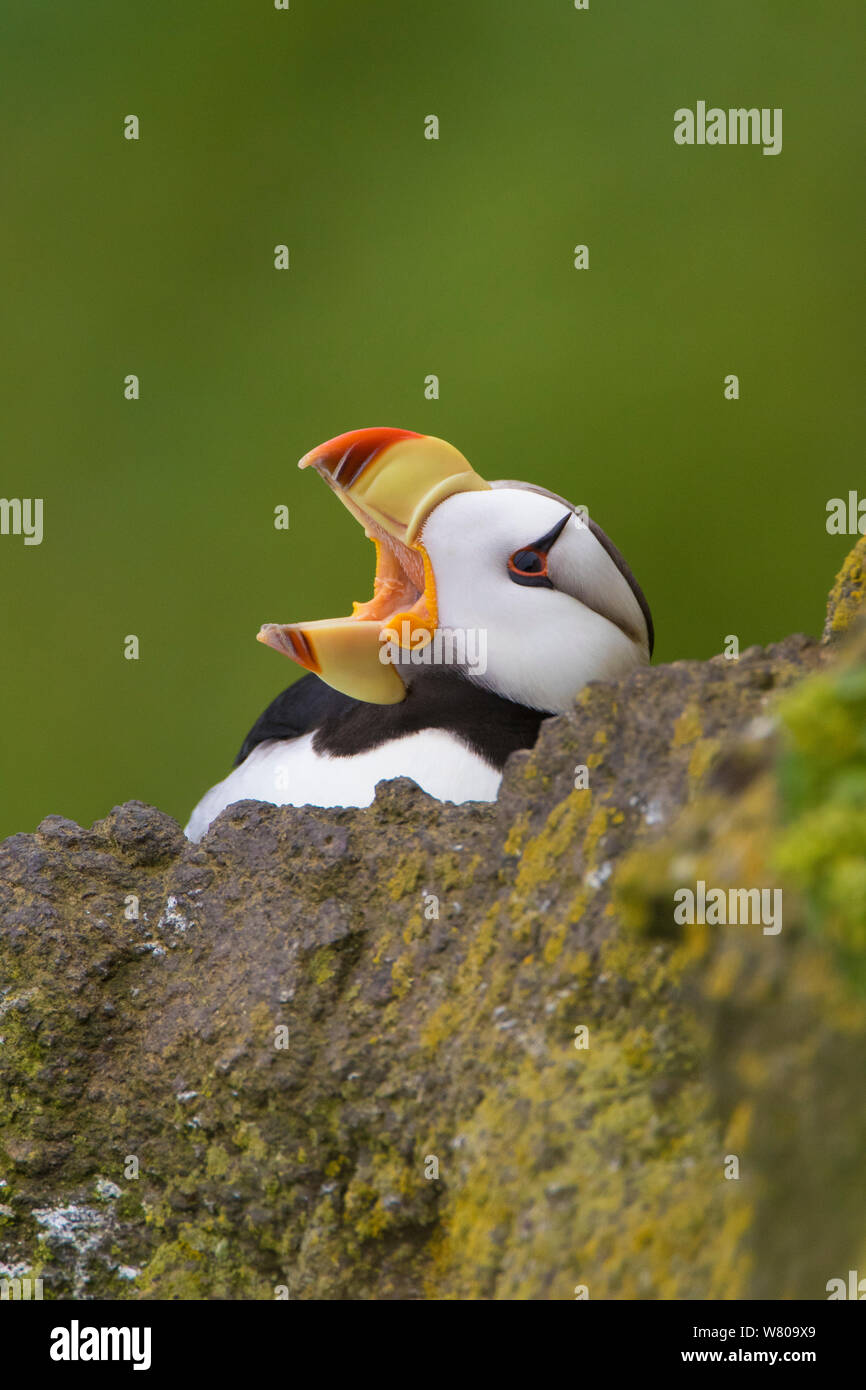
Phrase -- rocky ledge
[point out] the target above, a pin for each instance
(426, 1051)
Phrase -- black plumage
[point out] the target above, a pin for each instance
(440, 698)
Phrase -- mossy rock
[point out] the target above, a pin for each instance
(425, 1051)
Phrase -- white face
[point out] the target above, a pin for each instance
(543, 643)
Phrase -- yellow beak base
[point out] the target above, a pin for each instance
(345, 653)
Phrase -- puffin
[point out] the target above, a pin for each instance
(493, 604)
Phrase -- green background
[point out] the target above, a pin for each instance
(408, 257)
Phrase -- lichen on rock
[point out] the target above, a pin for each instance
(434, 1051)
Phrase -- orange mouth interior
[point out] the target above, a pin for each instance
(403, 591)
(402, 611)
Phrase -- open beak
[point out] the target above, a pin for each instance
(390, 480)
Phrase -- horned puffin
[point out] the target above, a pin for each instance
(493, 604)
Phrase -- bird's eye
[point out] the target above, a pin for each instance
(529, 567)
(529, 564)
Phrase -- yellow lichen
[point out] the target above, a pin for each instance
(688, 726)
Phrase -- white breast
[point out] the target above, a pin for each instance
(291, 773)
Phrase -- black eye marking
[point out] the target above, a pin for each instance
(547, 541)
(528, 565)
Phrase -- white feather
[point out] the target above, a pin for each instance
(290, 773)
(542, 645)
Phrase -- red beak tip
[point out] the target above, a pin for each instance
(346, 456)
